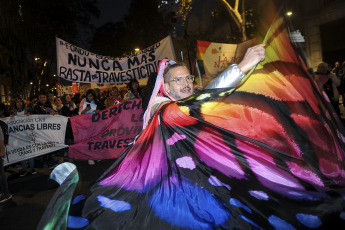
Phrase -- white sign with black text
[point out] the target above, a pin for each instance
(78, 65)
(34, 135)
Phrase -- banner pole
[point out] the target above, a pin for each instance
(197, 68)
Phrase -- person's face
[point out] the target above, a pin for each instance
(135, 85)
(178, 91)
(123, 92)
(42, 99)
(19, 104)
(89, 97)
(58, 101)
(51, 97)
(68, 98)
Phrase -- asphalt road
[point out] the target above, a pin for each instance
(32, 193)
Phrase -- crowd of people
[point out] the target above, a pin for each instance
(93, 100)
(332, 79)
(66, 105)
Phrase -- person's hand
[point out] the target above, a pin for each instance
(87, 108)
(253, 56)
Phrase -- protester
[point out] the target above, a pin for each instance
(43, 106)
(19, 109)
(134, 91)
(175, 82)
(76, 99)
(114, 98)
(89, 105)
(51, 99)
(5, 194)
(58, 105)
(329, 81)
(336, 68)
(224, 159)
(99, 98)
(123, 92)
(70, 109)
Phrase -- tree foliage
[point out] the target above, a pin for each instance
(142, 26)
(235, 9)
(145, 24)
(28, 29)
(108, 39)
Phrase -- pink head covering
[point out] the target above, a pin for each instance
(158, 89)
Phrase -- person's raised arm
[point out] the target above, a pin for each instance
(253, 56)
(232, 76)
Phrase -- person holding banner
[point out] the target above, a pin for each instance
(89, 105)
(20, 110)
(43, 106)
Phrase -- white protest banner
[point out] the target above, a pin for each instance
(34, 135)
(78, 65)
(215, 57)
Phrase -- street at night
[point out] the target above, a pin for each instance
(219, 114)
(32, 194)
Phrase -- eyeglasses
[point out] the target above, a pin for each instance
(179, 80)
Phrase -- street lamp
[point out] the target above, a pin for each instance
(289, 13)
(36, 59)
(136, 50)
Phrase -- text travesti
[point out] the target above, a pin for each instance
(102, 71)
(110, 144)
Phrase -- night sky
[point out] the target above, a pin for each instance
(111, 10)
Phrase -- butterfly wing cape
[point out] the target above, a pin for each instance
(269, 155)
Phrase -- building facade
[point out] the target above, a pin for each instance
(322, 24)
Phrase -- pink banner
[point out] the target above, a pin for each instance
(107, 134)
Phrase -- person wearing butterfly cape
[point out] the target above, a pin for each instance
(174, 81)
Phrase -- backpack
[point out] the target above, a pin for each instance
(4, 128)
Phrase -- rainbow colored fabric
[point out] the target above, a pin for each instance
(269, 155)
